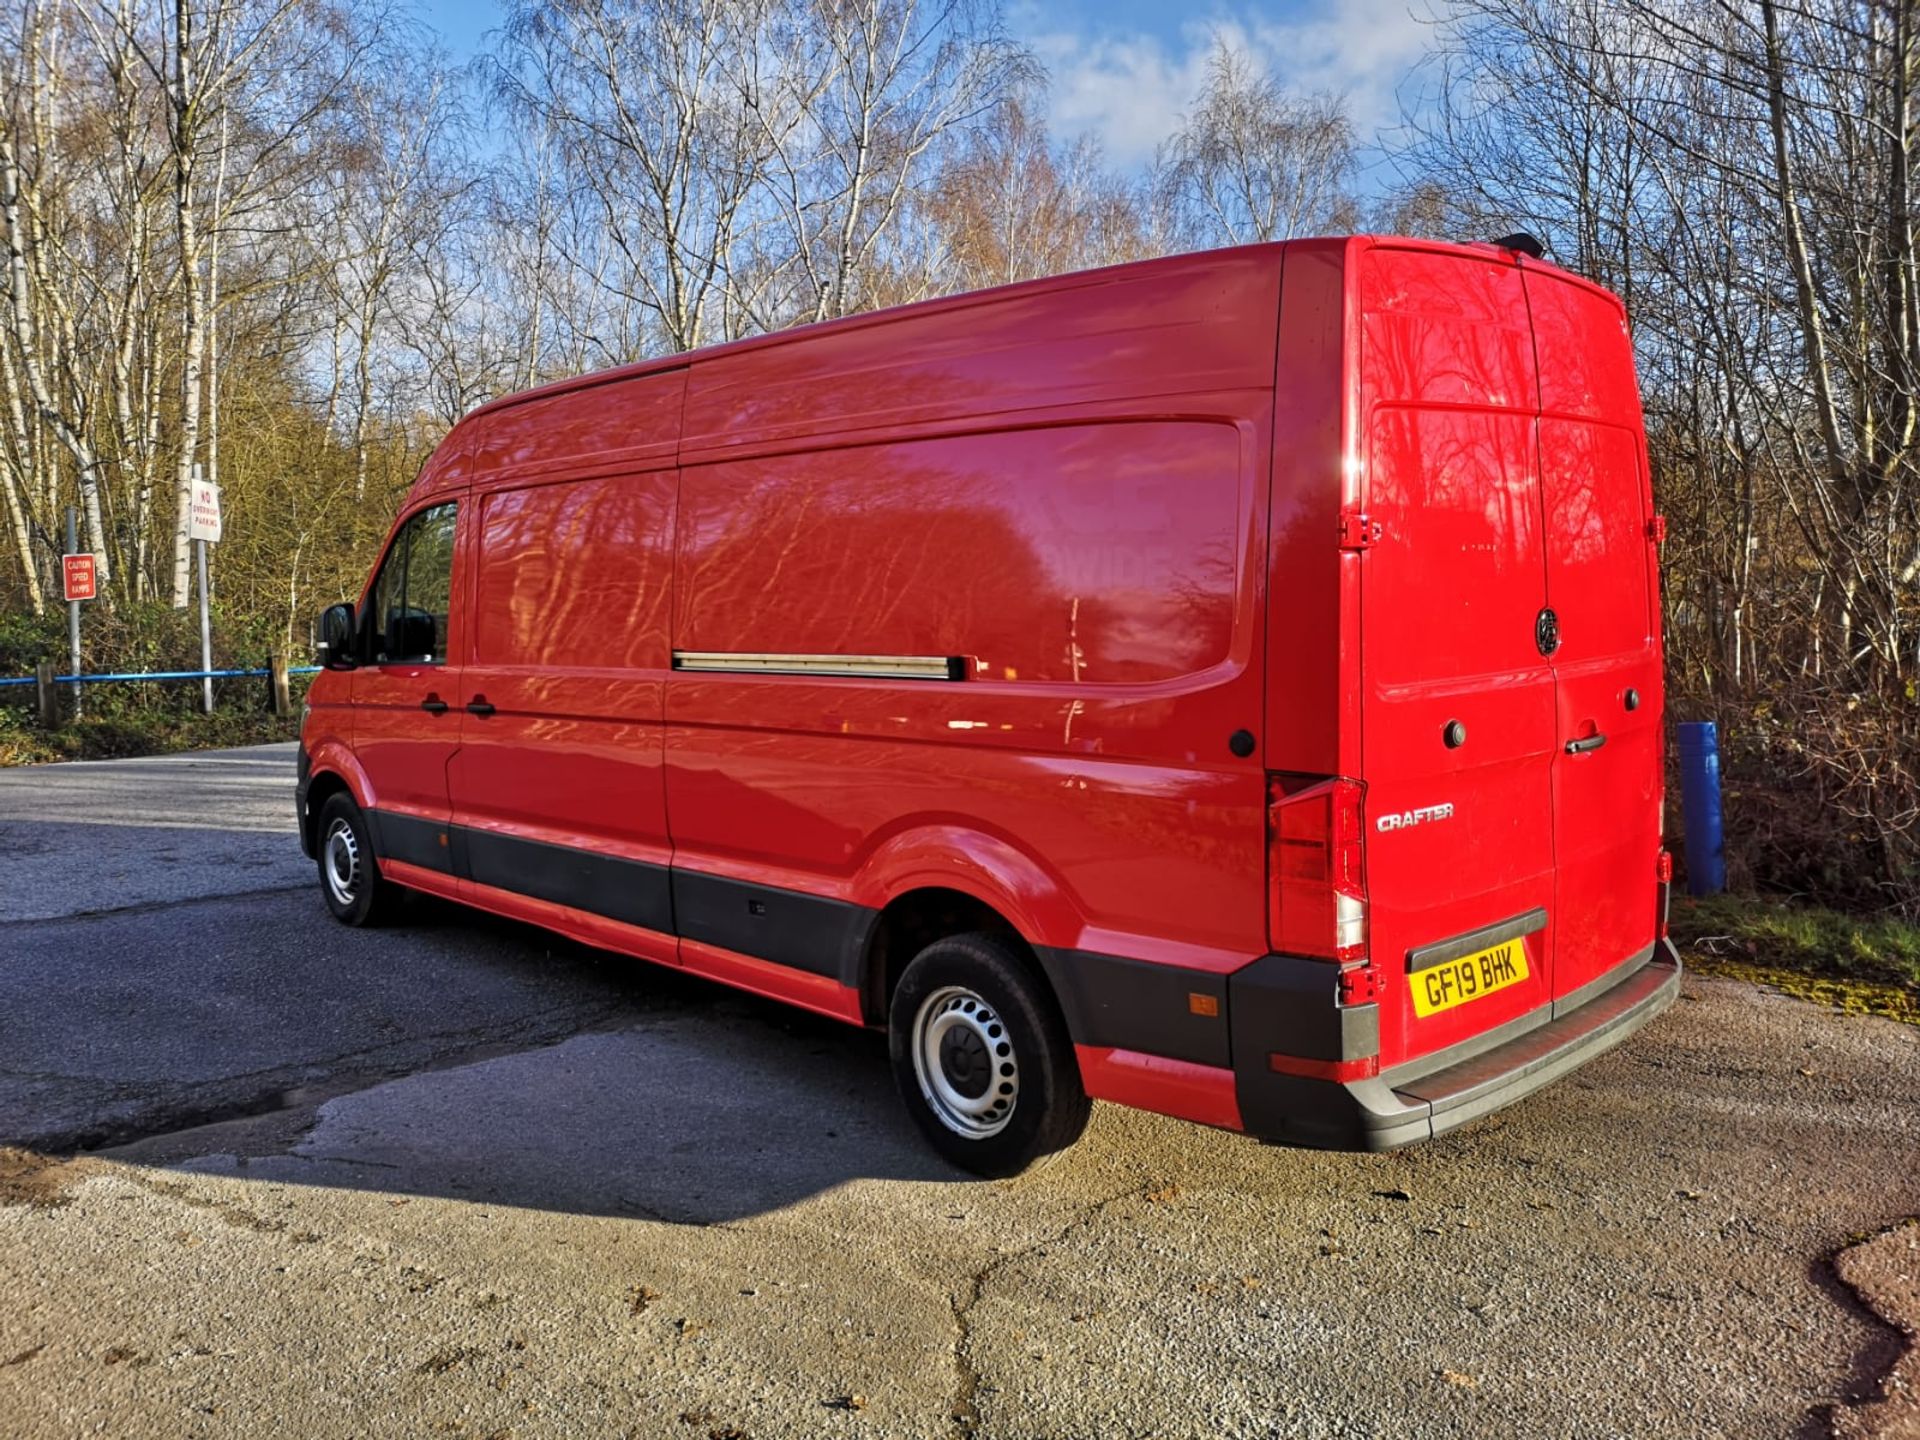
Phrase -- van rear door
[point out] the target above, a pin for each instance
(1458, 717)
(1601, 589)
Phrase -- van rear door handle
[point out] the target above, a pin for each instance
(434, 705)
(1580, 747)
(479, 706)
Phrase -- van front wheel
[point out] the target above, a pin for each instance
(350, 878)
(982, 1057)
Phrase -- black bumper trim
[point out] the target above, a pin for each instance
(1141, 1005)
(1289, 1005)
(1399, 1108)
(633, 892)
(792, 928)
(303, 782)
(411, 839)
(806, 932)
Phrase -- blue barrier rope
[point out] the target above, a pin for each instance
(164, 675)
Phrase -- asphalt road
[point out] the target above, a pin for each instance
(115, 834)
(460, 1178)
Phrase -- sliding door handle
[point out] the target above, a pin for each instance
(434, 705)
(1581, 747)
(479, 706)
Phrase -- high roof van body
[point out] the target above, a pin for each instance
(1228, 685)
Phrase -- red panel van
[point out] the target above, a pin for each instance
(1227, 684)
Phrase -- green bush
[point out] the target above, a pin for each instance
(139, 718)
(113, 737)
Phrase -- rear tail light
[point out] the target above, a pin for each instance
(1316, 885)
(1663, 879)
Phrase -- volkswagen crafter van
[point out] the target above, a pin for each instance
(1228, 685)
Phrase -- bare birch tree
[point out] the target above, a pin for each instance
(879, 85)
(1254, 163)
(1741, 171)
(43, 322)
(643, 100)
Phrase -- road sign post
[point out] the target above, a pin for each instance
(203, 528)
(206, 633)
(71, 572)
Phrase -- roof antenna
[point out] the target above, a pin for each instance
(1524, 243)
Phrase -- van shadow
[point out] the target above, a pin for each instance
(687, 1102)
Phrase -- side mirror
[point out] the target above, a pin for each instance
(333, 638)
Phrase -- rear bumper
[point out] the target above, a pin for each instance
(1433, 1095)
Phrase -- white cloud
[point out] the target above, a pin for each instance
(1128, 90)
(1360, 48)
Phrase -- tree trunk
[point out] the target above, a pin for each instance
(186, 122)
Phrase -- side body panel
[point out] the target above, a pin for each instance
(1065, 495)
(1061, 488)
(557, 792)
(1104, 661)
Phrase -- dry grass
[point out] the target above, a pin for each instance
(1861, 964)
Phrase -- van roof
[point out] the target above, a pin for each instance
(1071, 280)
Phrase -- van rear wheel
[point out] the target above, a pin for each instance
(982, 1058)
(350, 880)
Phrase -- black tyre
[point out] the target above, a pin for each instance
(982, 1057)
(350, 878)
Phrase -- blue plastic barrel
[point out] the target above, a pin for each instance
(1700, 807)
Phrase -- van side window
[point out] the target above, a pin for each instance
(410, 600)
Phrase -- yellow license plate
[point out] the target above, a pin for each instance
(1442, 987)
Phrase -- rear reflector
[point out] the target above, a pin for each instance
(1365, 1068)
(1663, 882)
(1316, 889)
(1358, 985)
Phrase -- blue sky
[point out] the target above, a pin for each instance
(1124, 70)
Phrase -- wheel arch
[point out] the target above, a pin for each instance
(331, 772)
(937, 878)
(916, 918)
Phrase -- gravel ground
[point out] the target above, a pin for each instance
(1884, 1271)
(458, 1178)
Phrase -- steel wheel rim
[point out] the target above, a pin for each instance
(955, 1033)
(341, 857)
